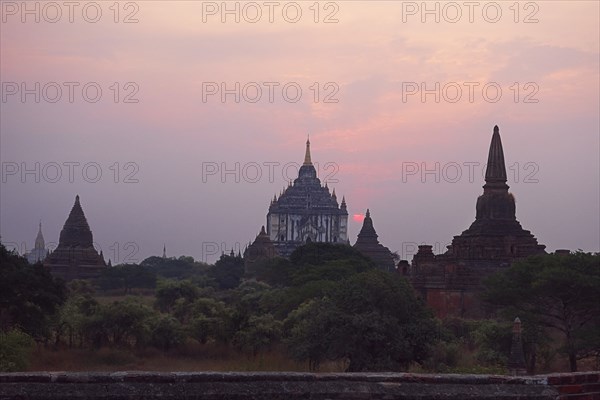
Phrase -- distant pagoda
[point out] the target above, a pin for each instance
(451, 282)
(368, 244)
(306, 212)
(495, 233)
(260, 250)
(75, 257)
(39, 251)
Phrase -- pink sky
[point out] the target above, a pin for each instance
(365, 141)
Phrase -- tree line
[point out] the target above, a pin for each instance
(326, 303)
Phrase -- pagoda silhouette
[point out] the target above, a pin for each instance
(75, 256)
(368, 244)
(450, 283)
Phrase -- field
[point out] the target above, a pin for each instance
(192, 357)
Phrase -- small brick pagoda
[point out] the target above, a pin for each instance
(261, 249)
(368, 244)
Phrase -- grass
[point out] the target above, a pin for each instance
(192, 357)
(210, 357)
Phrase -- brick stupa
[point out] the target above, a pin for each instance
(260, 250)
(368, 244)
(75, 257)
(451, 283)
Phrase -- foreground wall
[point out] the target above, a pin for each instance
(290, 386)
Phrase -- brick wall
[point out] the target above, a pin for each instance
(292, 386)
(577, 386)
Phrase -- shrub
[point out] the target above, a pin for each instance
(15, 350)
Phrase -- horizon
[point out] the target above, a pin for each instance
(177, 148)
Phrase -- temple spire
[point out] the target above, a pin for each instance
(495, 173)
(164, 251)
(307, 160)
(39, 240)
(367, 243)
(75, 249)
(76, 231)
(367, 229)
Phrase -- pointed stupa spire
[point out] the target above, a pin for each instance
(367, 230)
(333, 194)
(76, 231)
(39, 240)
(164, 251)
(495, 173)
(76, 248)
(307, 160)
(367, 243)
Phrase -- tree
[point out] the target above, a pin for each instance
(166, 332)
(206, 319)
(316, 270)
(168, 292)
(253, 297)
(127, 322)
(29, 295)
(260, 333)
(80, 287)
(228, 271)
(316, 253)
(184, 267)
(15, 350)
(372, 320)
(275, 271)
(75, 316)
(127, 277)
(557, 292)
(310, 329)
(493, 341)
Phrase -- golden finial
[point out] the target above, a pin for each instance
(307, 160)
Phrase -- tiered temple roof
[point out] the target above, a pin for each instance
(306, 194)
(306, 211)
